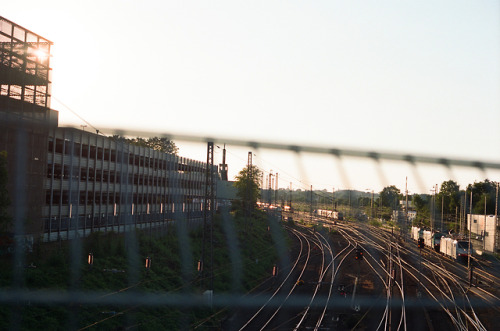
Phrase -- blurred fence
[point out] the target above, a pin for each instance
(18, 295)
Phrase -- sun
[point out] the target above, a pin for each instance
(40, 54)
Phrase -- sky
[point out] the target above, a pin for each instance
(417, 77)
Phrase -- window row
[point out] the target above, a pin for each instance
(89, 198)
(57, 171)
(99, 153)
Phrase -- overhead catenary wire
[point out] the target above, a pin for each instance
(76, 114)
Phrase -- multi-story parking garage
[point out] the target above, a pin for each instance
(65, 182)
(97, 183)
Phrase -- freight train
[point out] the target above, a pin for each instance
(432, 239)
(453, 248)
(456, 249)
(332, 214)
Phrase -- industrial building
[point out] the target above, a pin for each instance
(483, 232)
(67, 182)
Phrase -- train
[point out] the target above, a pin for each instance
(456, 249)
(451, 247)
(332, 214)
(432, 239)
(416, 233)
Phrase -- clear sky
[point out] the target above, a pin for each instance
(405, 76)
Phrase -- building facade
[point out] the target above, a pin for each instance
(483, 232)
(25, 119)
(66, 183)
(98, 183)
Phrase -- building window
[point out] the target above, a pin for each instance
(59, 146)
(85, 151)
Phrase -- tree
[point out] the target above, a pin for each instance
(390, 196)
(418, 202)
(421, 204)
(482, 191)
(161, 144)
(5, 219)
(449, 197)
(247, 186)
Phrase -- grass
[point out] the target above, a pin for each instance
(242, 258)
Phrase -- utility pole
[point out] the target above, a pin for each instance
(311, 205)
(390, 285)
(470, 229)
(250, 165)
(484, 225)
(406, 209)
(433, 199)
(495, 238)
(371, 207)
(209, 206)
(442, 212)
(276, 191)
(223, 165)
(270, 185)
(266, 188)
(249, 202)
(333, 198)
(349, 202)
(463, 221)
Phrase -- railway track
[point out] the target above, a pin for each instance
(414, 289)
(445, 283)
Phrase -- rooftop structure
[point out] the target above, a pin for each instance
(25, 73)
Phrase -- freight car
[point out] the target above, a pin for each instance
(432, 239)
(416, 232)
(332, 214)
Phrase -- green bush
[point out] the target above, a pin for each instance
(255, 253)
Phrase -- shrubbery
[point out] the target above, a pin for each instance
(114, 272)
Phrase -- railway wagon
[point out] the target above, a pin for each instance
(427, 235)
(416, 233)
(446, 246)
(336, 215)
(436, 240)
(456, 249)
(432, 239)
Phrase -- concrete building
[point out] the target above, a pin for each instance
(483, 232)
(25, 119)
(97, 183)
(399, 216)
(66, 182)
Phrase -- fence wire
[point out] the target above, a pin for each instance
(17, 295)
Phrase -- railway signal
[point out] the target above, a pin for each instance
(420, 243)
(359, 254)
(90, 259)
